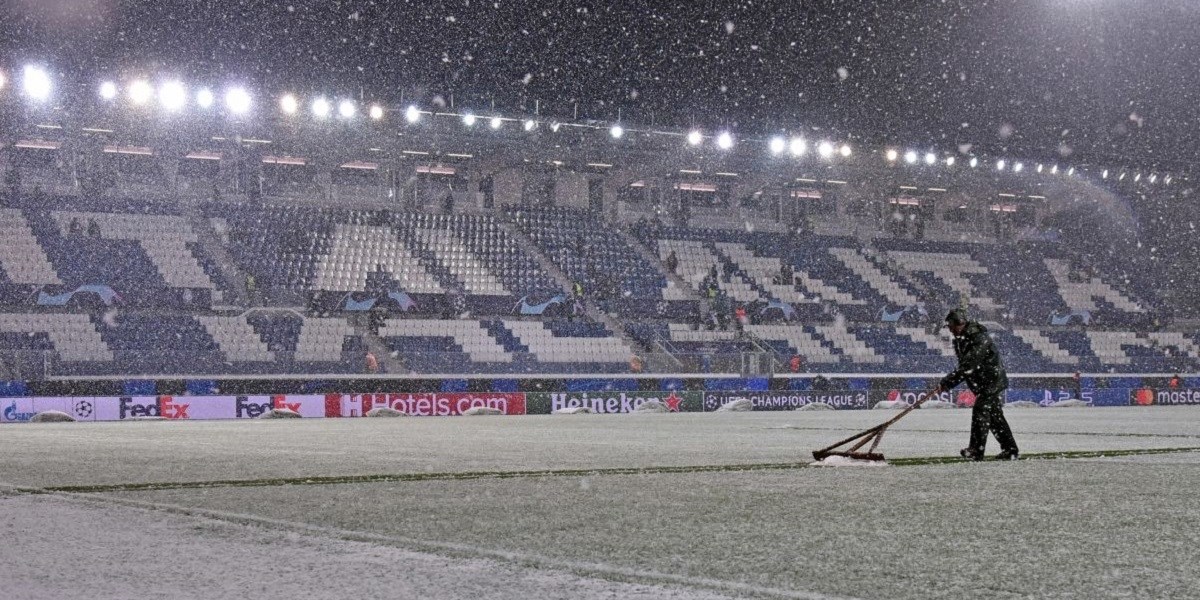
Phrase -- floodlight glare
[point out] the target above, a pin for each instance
(949, 161)
(825, 149)
(1137, 177)
(376, 112)
(204, 98)
(1153, 178)
(930, 158)
(1039, 168)
(36, 83)
(910, 157)
(797, 146)
(1104, 175)
(777, 145)
(616, 131)
(497, 123)
(469, 120)
(1000, 165)
(321, 108)
(108, 90)
(172, 96)
(140, 92)
(1017, 167)
(237, 101)
(554, 126)
(288, 104)
(2, 80)
(845, 151)
(1054, 170)
(694, 138)
(412, 114)
(892, 155)
(346, 109)
(1071, 171)
(529, 125)
(725, 141)
(974, 162)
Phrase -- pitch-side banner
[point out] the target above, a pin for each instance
(428, 404)
(543, 403)
(1166, 397)
(785, 400)
(122, 408)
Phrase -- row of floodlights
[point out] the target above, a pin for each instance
(173, 96)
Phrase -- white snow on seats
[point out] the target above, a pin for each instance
(73, 335)
(472, 336)
(458, 259)
(322, 339)
(549, 348)
(21, 257)
(239, 342)
(1082, 295)
(1046, 347)
(882, 282)
(951, 268)
(357, 250)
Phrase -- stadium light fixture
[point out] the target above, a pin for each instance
(1167, 180)
(930, 158)
(469, 119)
(949, 161)
(108, 91)
(1104, 175)
(694, 138)
(616, 131)
(1137, 177)
(3, 80)
(974, 162)
(140, 92)
(1054, 170)
(1121, 178)
(288, 104)
(845, 151)
(554, 125)
(1000, 165)
(204, 98)
(910, 157)
(497, 122)
(1071, 171)
(529, 125)
(797, 146)
(1039, 167)
(376, 112)
(1018, 167)
(1153, 178)
(892, 155)
(825, 149)
(725, 140)
(346, 109)
(321, 108)
(412, 114)
(237, 101)
(172, 96)
(777, 145)
(36, 83)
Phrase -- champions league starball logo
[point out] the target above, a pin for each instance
(83, 408)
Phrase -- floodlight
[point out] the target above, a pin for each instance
(910, 157)
(949, 161)
(725, 140)
(1071, 171)
(1137, 178)
(554, 125)
(140, 92)
(204, 98)
(797, 146)
(237, 101)
(172, 96)
(108, 90)
(36, 83)
(616, 131)
(825, 149)
(1153, 178)
(694, 138)
(321, 108)
(529, 125)
(845, 151)
(1000, 165)
(3, 80)
(412, 114)
(497, 123)
(1039, 168)
(1104, 175)
(1054, 170)
(974, 162)
(1017, 167)
(469, 119)
(288, 104)
(777, 145)
(892, 155)
(376, 112)
(930, 158)
(346, 109)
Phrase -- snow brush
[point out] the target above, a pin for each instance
(873, 435)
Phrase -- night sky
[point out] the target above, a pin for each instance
(1098, 80)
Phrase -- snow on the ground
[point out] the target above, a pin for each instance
(846, 461)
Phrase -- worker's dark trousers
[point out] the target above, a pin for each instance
(988, 415)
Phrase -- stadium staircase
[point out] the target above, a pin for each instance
(675, 280)
(232, 279)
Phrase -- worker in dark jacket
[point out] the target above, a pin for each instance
(979, 365)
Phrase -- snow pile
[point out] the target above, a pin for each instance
(481, 410)
(937, 404)
(739, 405)
(1068, 403)
(574, 410)
(651, 406)
(1022, 404)
(846, 461)
(52, 416)
(280, 413)
(890, 404)
(816, 406)
(385, 411)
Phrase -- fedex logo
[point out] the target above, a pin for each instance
(166, 407)
(244, 408)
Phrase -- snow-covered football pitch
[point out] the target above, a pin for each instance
(708, 505)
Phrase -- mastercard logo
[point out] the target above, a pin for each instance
(893, 395)
(965, 398)
(1144, 397)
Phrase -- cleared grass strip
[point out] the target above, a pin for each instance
(452, 476)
